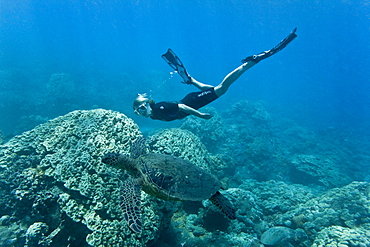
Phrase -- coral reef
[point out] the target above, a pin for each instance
(54, 185)
(184, 144)
(10, 233)
(210, 132)
(343, 236)
(277, 214)
(259, 146)
(205, 226)
(277, 198)
(346, 208)
(316, 169)
(55, 191)
(35, 235)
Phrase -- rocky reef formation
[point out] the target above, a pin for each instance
(345, 207)
(277, 214)
(269, 213)
(210, 132)
(312, 212)
(343, 236)
(186, 145)
(55, 190)
(260, 146)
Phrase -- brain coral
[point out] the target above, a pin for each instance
(53, 175)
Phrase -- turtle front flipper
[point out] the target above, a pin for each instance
(131, 203)
(224, 204)
(138, 148)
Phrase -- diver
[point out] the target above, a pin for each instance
(189, 105)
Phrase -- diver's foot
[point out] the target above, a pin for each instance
(258, 57)
(186, 78)
(276, 49)
(189, 81)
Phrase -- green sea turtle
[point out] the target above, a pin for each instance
(166, 177)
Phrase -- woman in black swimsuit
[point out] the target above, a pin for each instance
(189, 105)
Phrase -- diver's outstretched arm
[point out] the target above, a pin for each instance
(192, 111)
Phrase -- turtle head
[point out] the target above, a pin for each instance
(119, 161)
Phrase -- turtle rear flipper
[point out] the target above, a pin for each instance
(131, 203)
(224, 204)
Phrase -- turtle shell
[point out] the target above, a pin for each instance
(172, 178)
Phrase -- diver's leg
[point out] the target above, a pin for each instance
(250, 61)
(200, 85)
(231, 77)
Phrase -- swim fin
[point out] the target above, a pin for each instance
(276, 49)
(174, 61)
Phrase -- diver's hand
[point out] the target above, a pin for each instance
(206, 116)
(192, 111)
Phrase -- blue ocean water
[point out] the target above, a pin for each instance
(111, 50)
(57, 56)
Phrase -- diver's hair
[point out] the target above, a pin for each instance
(140, 99)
